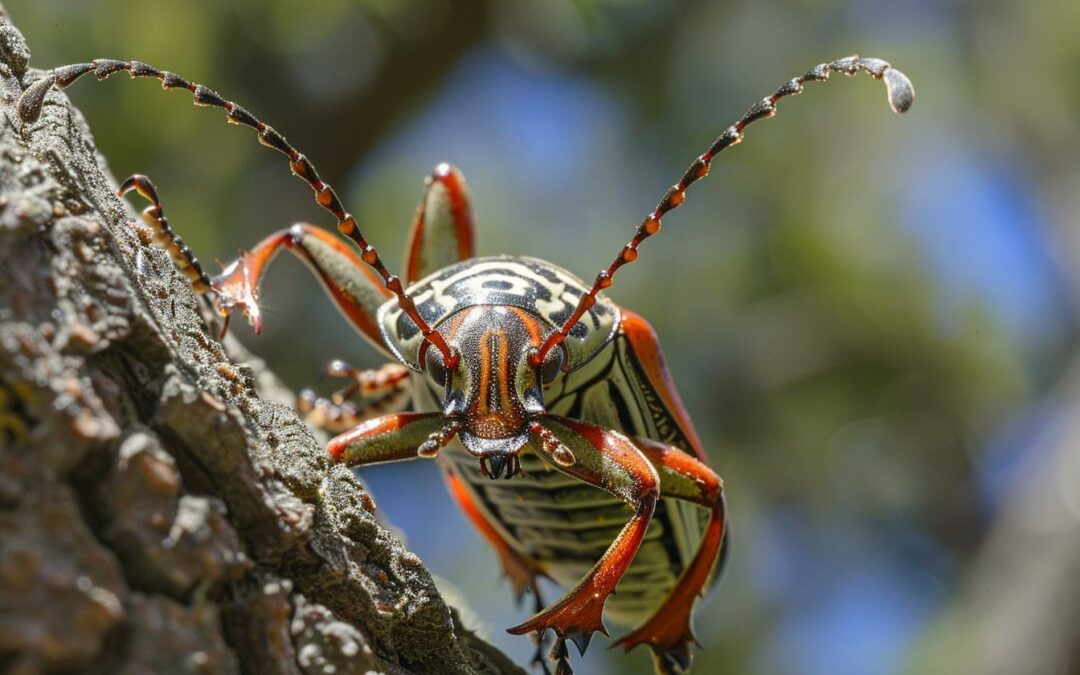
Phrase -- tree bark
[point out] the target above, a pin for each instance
(156, 514)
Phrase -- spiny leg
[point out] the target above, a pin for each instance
(608, 460)
(669, 632)
(683, 475)
(352, 287)
(32, 99)
(901, 95)
(443, 221)
(377, 392)
(442, 230)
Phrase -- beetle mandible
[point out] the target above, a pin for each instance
(537, 375)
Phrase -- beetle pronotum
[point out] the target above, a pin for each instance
(536, 374)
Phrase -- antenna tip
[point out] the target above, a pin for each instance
(900, 90)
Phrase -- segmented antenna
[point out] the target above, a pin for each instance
(31, 101)
(901, 95)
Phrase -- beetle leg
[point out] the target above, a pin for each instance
(607, 460)
(390, 438)
(668, 631)
(389, 378)
(377, 392)
(442, 230)
(162, 232)
(353, 287)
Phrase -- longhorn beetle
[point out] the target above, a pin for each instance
(537, 374)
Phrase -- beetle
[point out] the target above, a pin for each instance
(510, 367)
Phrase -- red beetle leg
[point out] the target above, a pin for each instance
(668, 631)
(368, 383)
(354, 288)
(442, 231)
(390, 438)
(520, 570)
(607, 460)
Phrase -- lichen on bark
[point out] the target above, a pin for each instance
(156, 514)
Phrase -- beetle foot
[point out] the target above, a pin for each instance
(576, 617)
(235, 288)
(669, 636)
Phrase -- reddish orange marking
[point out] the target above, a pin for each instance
(519, 569)
(482, 404)
(647, 349)
(495, 410)
(454, 323)
(530, 323)
(502, 418)
(503, 372)
(459, 207)
(360, 318)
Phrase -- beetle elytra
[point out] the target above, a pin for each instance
(537, 376)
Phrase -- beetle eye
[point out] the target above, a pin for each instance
(434, 366)
(552, 366)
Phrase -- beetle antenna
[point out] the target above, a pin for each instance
(30, 105)
(901, 95)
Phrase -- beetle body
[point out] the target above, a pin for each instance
(587, 436)
(549, 518)
(549, 408)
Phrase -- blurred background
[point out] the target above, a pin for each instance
(872, 318)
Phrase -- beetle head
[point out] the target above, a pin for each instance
(493, 392)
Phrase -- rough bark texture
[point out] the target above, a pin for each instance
(156, 515)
